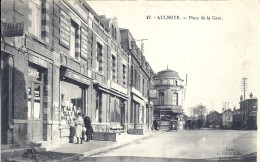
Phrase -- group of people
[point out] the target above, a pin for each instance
(83, 127)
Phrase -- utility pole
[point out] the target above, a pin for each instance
(142, 44)
(225, 106)
(244, 86)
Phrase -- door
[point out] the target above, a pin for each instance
(122, 115)
(35, 104)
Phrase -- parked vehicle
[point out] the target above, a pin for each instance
(173, 125)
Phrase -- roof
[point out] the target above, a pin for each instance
(94, 13)
(168, 73)
(105, 20)
(236, 112)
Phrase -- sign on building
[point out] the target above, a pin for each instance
(12, 29)
(153, 93)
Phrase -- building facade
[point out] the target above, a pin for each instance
(68, 60)
(248, 109)
(168, 98)
(227, 119)
(213, 119)
(140, 80)
(237, 119)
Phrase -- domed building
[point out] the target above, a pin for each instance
(168, 103)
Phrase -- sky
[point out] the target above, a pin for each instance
(215, 54)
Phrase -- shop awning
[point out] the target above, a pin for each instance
(76, 76)
(139, 100)
(113, 92)
(174, 109)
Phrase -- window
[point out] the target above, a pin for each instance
(161, 98)
(113, 68)
(124, 75)
(90, 20)
(72, 100)
(36, 18)
(157, 82)
(171, 81)
(143, 86)
(99, 58)
(135, 78)
(132, 113)
(164, 82)
(175, 99)
(98, 113)
(114, 32)
(74, 40)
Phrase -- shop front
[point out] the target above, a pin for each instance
(111, 108)
(138, 115)
(73, 99)
(73, 94)
(165, 115)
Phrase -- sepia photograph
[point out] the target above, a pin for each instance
(130, 80)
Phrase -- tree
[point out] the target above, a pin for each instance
(200, 112)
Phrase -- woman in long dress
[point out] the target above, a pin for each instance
(79, 128)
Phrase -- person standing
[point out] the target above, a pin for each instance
(88, 126)
(155, 125)
(79, 128)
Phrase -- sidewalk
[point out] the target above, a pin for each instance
(72, 152)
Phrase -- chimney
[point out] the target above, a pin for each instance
(251, 95)
(241, 98)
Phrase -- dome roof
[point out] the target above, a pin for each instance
(167, 74)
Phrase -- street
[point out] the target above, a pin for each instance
(186, 144)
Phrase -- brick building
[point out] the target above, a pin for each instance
(140, 80)
(248, 109)
(68, 60)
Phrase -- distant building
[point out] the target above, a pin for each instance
(237, 119)
(248, 109)
(213, 120)
(227, 118)
(168, 104)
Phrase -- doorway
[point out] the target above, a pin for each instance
(35, 111)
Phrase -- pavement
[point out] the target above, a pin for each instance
(74, 152)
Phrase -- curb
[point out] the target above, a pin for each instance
(108, 148)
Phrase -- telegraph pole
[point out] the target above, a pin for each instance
(225, 107)
(244, 86)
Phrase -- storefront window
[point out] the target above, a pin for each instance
(29, 102)
(115, 110)
(37, 102)
(132, 113)
(71, 101)
(98, 113)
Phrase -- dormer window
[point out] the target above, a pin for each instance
(114, 32)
